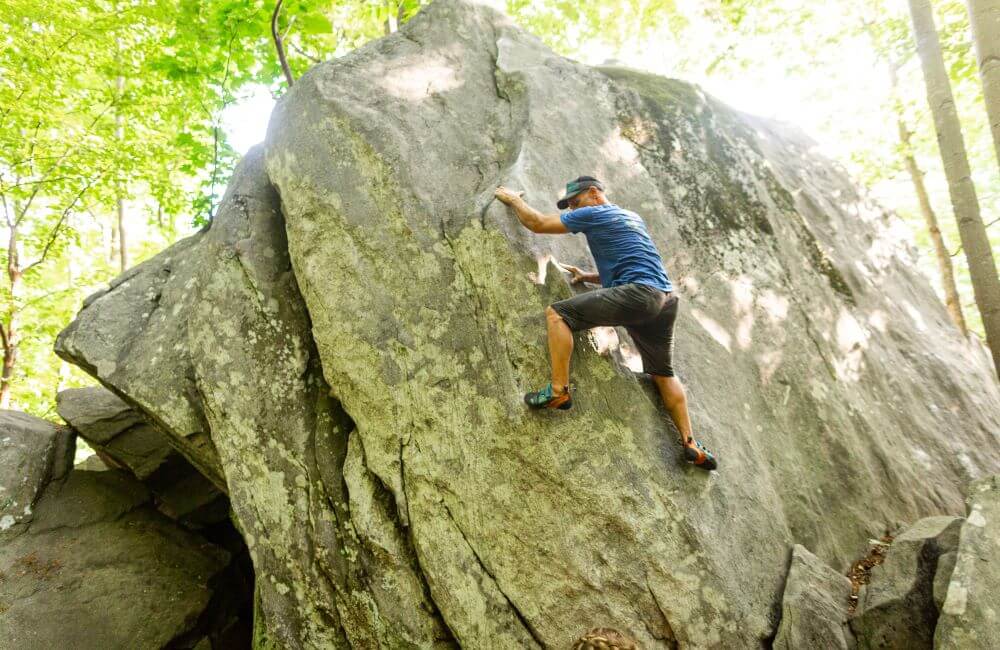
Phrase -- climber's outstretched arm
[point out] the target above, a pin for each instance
(531, 218)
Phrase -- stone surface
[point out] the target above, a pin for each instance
(814, 606)
(107, 423)
(970, 615)
(942, 576)
(130, 338)
(897, 609)
(800, 337)
(120, 434)
(253, 377)
(31, 451)
(327, 576)
(389, 482)
(95, 566)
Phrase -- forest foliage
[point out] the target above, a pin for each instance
(109, 106)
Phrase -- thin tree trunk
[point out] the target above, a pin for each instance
(120, 134)
(12, 338)
(113, 247)
(952, 300)
(63, 377)
(392, 18)
(982, 268)
(279, 45)
(11, 332)
(122, 248)
(984, 17)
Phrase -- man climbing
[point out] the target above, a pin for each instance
(636, 293)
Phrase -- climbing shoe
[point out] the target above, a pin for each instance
(547, 399)
(698, 454)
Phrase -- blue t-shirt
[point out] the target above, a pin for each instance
(620, 244)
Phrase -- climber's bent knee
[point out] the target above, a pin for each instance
(555, 315)
(564, 310)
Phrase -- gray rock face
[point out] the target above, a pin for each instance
(897, 608)
(31, 451)
(814, 608)
(95, 566)
(802, 338)
(252, 377)
(365, 411)
(120, 434)
(327, 577)
(970, 615)
(130, 338)
(107, 423)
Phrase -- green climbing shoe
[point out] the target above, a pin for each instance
(698, 454)
(545, 398)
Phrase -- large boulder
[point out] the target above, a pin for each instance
(347, 360)
(897, 608)
(93, 565)
(802, 338)
(814, 608)
(970, 615)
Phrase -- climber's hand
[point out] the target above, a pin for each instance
(506, 196)
(578, 275)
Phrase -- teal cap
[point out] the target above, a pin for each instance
(576, 186)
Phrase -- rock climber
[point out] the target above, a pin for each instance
(636, 293)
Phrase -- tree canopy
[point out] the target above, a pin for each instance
(105, 104)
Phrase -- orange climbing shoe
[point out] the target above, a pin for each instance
(546, 398)
(698, 454)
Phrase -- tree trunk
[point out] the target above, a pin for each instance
(952, 300)
(984, 17)
(982, 269)
(11, 331)
(113, 241)
(12, 336)
(392, 18)
(120, 134)
(122, 250)
(279, 45)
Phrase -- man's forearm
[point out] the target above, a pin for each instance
(529, 217)
(594, 278)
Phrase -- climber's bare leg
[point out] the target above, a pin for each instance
(560, 348)
(675, 399)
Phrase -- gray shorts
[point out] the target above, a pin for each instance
(647, 313)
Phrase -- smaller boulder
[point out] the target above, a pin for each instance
(110, 425)
(814, 608)
(32, 451)
(970, 615)
(897, 607)
(123, 438)
(88, 563)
